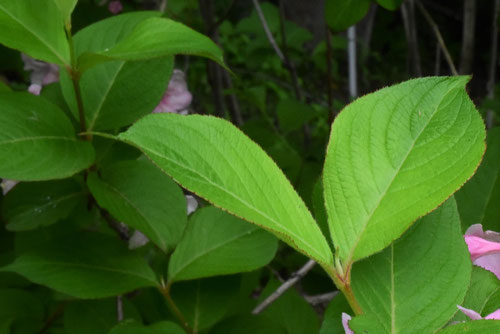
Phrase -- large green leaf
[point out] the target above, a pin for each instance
(133, 327)
(140, 195)
(34, 27)
(37, 141)
(390, 4)
(116, 93)
(204, 302)
(217, 243)
(154, 38)
(341, 14)
(33, 204)
(332, 320)
(473, 327)
(394, 156)
(478, 199)
(84, 265)
(415, 285)
(212, 158)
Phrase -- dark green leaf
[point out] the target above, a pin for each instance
(473, 327)
(34, 204)
(20, 312)
(217, 243)
(341, 14)
(390, 4)
(332, 321)
(140, 195)
(37, 141)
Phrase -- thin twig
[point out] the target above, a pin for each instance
(165, 291)
(233, 103)
(490, 86)
(162, 5)
(469, 28)
(351, 54)
(53, 317)
(119, 308)
(408, 15)
(268, 32)
(285, 286)
(322, 298)
(437, 63)
(439, 37)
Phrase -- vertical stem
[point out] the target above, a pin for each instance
(119, 308)
(329, 80)
(437, 63)
(351, 53)
(467, 53)
(342, 282)
(165, 291)
(75, 79)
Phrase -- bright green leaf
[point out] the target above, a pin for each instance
(34, 27)
(212, 158)
(473, 327)
(34, 204)
(116, 93)
(204, 302)
(415, 285)
(154, 38)
(341, 14)
(395, 155)
(84, 265)
(140, 195)
(37, 141)
(217, 243)
(478, 199)
(66, 7)
(390, 4)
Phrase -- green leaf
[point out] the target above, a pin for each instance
(204, 302)
(428, 270)
(34, 204)
(395, 155)
(483, 287)
(154, 38)
(293, 114)
(248, 324)
(341, 14)
(133, 327)
(217, 243)
(390, 4)
(332, 321)
(212, 158)
(473, 327)
(20, 311)
(66, 7)
(4, 87)
(36, 28)
(95, 316)
(478, 199)
(37, 141)
(116, 93)
(291, 311)
(88, 266)
(140, 195)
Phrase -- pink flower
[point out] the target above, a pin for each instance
(484, 248)
(345, 322)
(115, 7)
(42, 73)
(476, 316)
(177, 97)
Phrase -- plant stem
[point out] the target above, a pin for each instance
(75, 78)
(165, 291)
(343, 283)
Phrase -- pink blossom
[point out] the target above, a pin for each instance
(476, 316)
(345, 322)
(115, 7)
(42, 73)
(484, 248)
(177, 97)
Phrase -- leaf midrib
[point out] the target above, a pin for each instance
(207, 180)
(396, 173)
(48, 45)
